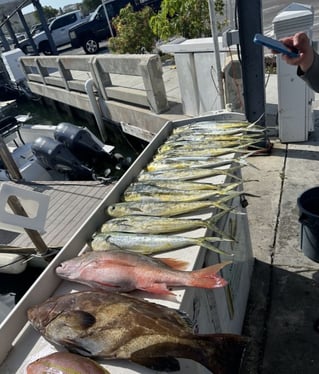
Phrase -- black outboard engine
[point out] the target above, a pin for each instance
(52, 154)
(84, 145)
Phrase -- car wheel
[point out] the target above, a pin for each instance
(91, 46)
(45, 48)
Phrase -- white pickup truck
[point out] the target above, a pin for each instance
(59, 29)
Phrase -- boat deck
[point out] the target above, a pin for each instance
(70, 203)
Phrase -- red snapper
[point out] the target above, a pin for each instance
(124, 271)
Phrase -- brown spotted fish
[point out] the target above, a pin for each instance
(119, 326)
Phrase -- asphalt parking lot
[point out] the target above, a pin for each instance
(68, 50)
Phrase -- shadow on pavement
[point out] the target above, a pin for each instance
(282, 321)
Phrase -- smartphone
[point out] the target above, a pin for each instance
(274, 44)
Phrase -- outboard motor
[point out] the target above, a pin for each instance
(52, 154)
(84, 145)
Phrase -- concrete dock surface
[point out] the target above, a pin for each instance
(282, 317)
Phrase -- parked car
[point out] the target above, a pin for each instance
(59, 29)
(35, 29)
(98, 27)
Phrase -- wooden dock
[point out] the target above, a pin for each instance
(127, 89)
(71, 202)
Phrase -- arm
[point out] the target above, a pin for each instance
(311, 76)
(307, 61)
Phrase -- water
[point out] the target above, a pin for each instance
(45, 114)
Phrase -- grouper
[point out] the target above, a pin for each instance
(119, 326)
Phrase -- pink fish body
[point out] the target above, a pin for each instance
(124, 271)
(65, 363)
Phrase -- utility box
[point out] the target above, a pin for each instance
(295, 114)
(197, 73)
(12, 64)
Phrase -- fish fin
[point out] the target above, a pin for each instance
(219, 353)
(174, 263)
(79, 319)
(221, 233)
(114, 261)
(222, 353)
(206, 244)
(158, 288)
(73, 347)
(207, 277)
(167, 364)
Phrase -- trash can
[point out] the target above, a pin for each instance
(308, 204)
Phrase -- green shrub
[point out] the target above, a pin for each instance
(133, 32)
(187, 18)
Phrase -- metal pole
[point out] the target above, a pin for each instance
(11, 32)
(26, 28)
(107, 19)
(4, 40)
(8, 160)
(39, 8)
(213, 23)
(250, 23)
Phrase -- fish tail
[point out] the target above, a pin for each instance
(174, 263)
(216, 217)
(219, 353)
(210, 224)
(205, 242)
(233, 176)
(207, 277)
(222, 353)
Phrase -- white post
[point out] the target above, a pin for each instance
(213, 23)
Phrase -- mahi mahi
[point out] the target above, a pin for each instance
(161, 225)
(151, 243)
(186, 196)
(188, 174)
(201, 152)
(183, 185)
(164, 209)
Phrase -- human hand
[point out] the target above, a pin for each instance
(301, 42)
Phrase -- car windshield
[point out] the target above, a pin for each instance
(93, 15)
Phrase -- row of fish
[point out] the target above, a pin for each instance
(170, 186)
(104, 323)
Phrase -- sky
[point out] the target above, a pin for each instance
(54, 3)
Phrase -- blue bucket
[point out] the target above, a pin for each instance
(308, 204)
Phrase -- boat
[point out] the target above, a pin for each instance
(57, 152)
(48, 153)
(220, 310)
